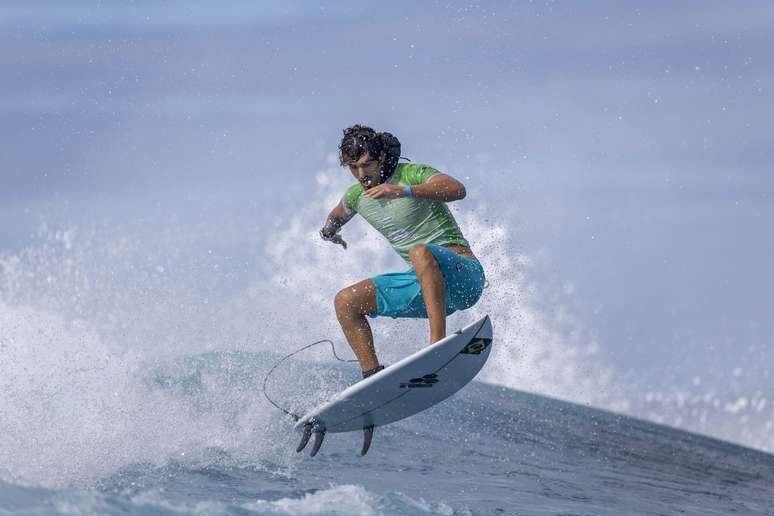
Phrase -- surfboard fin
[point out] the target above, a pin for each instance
(319, 435)
(368, 434)
(305, 437)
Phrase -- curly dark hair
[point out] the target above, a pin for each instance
(360, 139)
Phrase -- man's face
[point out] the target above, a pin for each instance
(366, 170)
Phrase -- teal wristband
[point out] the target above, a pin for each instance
(407, 192)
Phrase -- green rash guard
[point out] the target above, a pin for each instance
(407, 221)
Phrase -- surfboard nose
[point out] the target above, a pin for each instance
(485, 331)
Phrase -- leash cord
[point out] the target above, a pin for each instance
(296, 417)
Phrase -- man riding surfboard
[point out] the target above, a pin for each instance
(406, 203)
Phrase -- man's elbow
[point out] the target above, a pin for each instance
(460, 193)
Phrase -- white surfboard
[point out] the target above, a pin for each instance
(403, 389)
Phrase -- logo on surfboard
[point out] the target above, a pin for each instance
(425, 381)
(475, 346)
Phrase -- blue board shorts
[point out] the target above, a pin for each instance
(398, 294)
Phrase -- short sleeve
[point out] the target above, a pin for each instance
(417, 174)
(351, 196)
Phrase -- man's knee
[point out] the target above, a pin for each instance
(421, 257)
(350, 301)
(344, 301)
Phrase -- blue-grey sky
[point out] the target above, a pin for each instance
(626, 147)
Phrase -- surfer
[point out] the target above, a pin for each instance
(406, 203)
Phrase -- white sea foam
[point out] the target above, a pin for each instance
(348, 500)
(76, 411)
(345, 499)
(79, 355)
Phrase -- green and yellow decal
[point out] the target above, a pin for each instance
(475, 346)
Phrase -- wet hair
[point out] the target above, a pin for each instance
(359, 140)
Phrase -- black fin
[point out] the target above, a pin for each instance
(305, 437)
(368, 434)
(319, 435)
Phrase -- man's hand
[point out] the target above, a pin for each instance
(337, 218)
(384, 191)
(335, 238)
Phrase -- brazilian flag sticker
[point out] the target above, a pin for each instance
(475, 346)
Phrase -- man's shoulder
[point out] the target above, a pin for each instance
(352, 195)
(415, 173)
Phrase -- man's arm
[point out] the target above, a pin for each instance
(439, 187)
(336, 219)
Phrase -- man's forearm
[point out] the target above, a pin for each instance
(443, 191)
(333, 224)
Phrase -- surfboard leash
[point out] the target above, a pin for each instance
(295, 416)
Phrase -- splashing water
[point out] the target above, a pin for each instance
(114, 339)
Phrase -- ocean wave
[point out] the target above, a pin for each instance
(350, 500)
